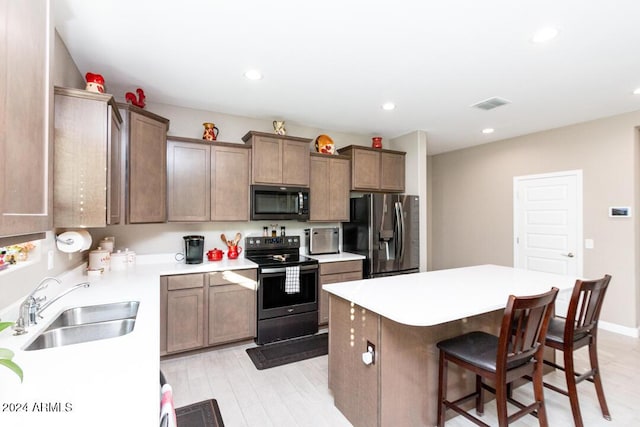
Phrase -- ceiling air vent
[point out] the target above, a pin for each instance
(491, 103)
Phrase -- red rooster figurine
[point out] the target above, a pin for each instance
(137, 101)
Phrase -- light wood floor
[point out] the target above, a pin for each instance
(297, 394)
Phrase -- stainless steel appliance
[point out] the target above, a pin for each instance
(385, 229)
(193, 249)
(322, 240)
(276, 202)
(287, 288)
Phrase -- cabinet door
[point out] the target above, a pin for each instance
(366, 170)
(147, 169)
(295, 163)
(232, 305)
(185, 312)
(26, 158)
(81, 166)
(335, 272)
(392, 171)
(320, 190)
(114, 168)
(188, 177)
(230, 181)
(267, 160)
(339, 187)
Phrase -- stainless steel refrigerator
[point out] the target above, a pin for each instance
(384, 227)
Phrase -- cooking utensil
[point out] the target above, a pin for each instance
(237, 239)
(224, 239)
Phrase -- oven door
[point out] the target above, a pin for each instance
(276, 300)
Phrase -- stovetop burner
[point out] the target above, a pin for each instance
(276, 251)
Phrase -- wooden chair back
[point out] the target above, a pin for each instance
(584, 307)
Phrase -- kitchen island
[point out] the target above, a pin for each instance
(402, 318)
(111, 382)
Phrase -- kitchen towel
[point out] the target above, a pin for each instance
(292, 280)
(167, 408)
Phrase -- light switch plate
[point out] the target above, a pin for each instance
(588, 243)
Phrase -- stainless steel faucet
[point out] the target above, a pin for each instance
(30, 308)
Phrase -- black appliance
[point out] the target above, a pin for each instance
(276, 202)
(193, 249)
(384, 227)
(287, 288)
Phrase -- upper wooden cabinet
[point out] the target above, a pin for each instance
(207, 181)
(279, 160)
(330, 182)
(87, 159)
(374, 169)
(144, 142)
(26, 156)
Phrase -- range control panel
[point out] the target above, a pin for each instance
(280, 242)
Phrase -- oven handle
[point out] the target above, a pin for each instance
(283, 269)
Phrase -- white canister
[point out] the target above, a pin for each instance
(119, 261)
(131, 257)
(108, 243)
(99, 259)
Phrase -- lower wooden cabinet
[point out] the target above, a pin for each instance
(232, 306)
(335, 272)
(205, 309)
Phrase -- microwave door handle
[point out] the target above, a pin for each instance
(300, 203)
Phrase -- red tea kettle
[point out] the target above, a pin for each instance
(214, 254)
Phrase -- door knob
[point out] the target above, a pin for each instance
(570, 255)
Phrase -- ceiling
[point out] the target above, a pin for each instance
(331, 64)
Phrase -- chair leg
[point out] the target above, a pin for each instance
(442, 388)
(572, 391)
(479, 396)
(538, 394)
(501, 405)
(597, 381)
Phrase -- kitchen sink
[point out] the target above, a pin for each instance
(95, 313)
(67, 335)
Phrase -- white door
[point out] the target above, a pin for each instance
(548, 222)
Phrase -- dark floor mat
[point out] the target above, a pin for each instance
(281, 353)
(201, 414)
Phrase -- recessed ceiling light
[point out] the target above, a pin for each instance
(388, 106)
(487, 130)
(253, 75)
(543, 35)
(637, 91)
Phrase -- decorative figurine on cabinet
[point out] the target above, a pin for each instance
(325, 145)
(95, 83)
(278, 127)
(137, 101)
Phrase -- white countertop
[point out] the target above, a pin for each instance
(435, 297)
(342, 256)
(112, 382)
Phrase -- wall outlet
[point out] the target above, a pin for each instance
(50, 263)
(372, 349)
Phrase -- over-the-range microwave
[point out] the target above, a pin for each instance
(279, 202)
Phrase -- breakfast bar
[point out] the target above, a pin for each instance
(398, 320)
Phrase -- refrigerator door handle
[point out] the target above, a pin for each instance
(399, 243)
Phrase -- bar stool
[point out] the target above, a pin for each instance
(516, 353)
(579, 329)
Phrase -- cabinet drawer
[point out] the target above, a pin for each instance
(185, 281)
(246, 278)
(340, 267)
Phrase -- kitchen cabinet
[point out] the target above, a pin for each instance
(207, 182)
(279, 160)
(87, 190)
(207, 309)
(26, 150)
(329, 186)
(232, 306)
(182, 305)
(376, 169)
(144, 142)
(335, 272)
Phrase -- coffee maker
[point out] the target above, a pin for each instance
(193, 249)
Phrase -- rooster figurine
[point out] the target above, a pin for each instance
(137, 101)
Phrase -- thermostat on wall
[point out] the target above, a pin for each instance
(619, 211)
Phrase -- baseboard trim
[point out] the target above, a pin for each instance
(618, 329)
